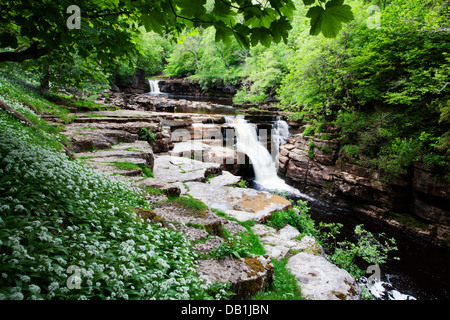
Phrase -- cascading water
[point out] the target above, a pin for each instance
(279, 135)
(154, 87)
(264, 167)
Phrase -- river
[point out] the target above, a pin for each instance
(422, 273)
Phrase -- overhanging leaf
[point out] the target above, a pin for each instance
(329, 20)
(315, 14)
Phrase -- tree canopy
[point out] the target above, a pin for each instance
(32, 29)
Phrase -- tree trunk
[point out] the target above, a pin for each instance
(15, 113)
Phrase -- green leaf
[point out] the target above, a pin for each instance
(332, 19)
(308, 2)
(315, 14)
(329, 20)
(280, 29)
(191, 8)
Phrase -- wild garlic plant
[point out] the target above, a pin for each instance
(56, 213)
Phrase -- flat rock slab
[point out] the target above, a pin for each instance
(169, 189)
(213, 152)
(247, 276)
(285, 242)
(176, 169)
(171, 212)
(321, 280)
(104, 160)
(240, 203)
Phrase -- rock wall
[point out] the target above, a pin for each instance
(314, 166)
(135, 84)
(193, 88)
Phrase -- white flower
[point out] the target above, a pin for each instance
(34, 288)
(16, 296)
(53, 286)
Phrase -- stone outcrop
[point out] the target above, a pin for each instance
(247, 276)
(322, 280)
(103, 129)
(104, 139)
(193, 88)
(214, 152)
(315, 166)
(136, 83)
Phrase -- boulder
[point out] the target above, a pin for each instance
(176, 169)
(172, 212)
(200, 151)
(169, 189)
(286, 241)
(247, 276)
(321, 280)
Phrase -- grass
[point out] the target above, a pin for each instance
(246, 244)
(133, 166)
(194, 205)
(284, 286)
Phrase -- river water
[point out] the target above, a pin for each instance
(422, 273)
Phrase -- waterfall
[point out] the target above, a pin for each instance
(154, 87)
(279, 135)
(264, 166)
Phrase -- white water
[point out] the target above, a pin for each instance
(154, 87)
(263, 164)
(383, 290)
(279, 135)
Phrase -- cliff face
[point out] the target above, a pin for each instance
(193, 88)
(315, 166)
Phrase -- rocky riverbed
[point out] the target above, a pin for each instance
(105, 139)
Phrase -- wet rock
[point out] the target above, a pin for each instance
(200, 151)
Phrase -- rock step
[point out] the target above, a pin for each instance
(176, 169)
(247, 276)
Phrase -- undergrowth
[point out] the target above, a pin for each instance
(58, 215)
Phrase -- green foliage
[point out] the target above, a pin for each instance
(111, 37)
(328, 20)
(264, 70)
(241, 245)
(297, 217)
(147, 135)
(368, 248)
(133, 166)
(382, 87)
(242, 183)
(284, 286)
(192, 204)
(55, 213)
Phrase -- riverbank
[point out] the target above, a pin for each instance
(120, 132)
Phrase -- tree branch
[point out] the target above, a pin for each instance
(32, 52)
(15, 113)
(21, 117)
